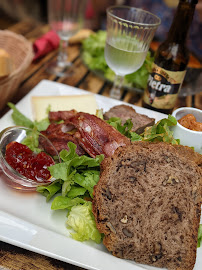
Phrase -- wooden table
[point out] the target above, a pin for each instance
(15, 258)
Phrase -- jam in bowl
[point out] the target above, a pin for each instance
(24, 167)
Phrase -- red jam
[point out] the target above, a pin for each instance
(27, 163)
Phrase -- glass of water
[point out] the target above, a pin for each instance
(65, 17)
(129, 34)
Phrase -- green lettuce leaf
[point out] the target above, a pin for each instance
(67, 185)
(59, 171)
(199, 236)
(85, 161)
(61, 202)
(19, 118)
(32, 141)
(135, 137)
(69, 155)
(42, 125)
(76, 191)
(87, 179)
(82, 221)
(71, 162)
(125, 128)
(50, 190)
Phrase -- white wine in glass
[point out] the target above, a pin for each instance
(129, 34)
(121, 60)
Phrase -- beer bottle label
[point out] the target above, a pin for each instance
(163, 87)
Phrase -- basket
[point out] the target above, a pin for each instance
(20, 50)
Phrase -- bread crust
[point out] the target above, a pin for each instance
(140, 185)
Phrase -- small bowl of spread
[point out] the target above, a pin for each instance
(189, 127)
(25, 156)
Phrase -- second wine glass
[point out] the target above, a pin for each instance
(129, 34)
(65, 17)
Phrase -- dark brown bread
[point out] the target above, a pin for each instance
(189, 154)
(125, 112)
(148, 205)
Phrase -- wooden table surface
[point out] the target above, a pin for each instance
(15, 258)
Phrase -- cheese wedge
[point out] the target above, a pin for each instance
(81, 103)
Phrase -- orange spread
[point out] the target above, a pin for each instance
(189, 121)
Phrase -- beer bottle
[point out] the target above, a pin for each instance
(171, 59)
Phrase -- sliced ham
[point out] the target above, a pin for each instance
(59, 136)
(61, 115)
(96, 136)
(91, 134)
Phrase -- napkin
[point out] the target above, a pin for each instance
(45, 44)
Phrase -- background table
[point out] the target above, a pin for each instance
(15, 258)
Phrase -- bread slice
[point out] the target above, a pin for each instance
(6, 64)
(80, 36)
(189, 154)
(148, 205)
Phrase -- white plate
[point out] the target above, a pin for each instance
(26, 220)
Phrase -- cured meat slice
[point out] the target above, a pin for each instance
(61, 115)
(91, 134)
(96, 136)
(59, 136)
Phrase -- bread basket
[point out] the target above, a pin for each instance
(20, 50)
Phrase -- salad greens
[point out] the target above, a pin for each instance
(21, 120)
(32, 140)
(75, 179)
(50, 190)
(82, 221)
(159, 132)
(93, 56)
(35, 127)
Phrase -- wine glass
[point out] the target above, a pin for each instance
(65, 17)
(129, 34)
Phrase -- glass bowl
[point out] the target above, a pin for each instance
(9, 175)
(187, 136)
